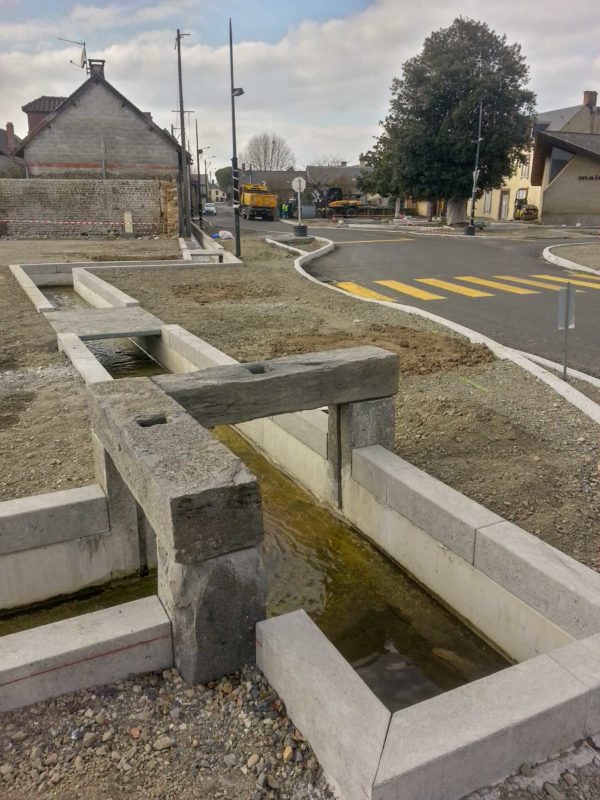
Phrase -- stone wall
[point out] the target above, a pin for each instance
(100, 136)
(574, 195)
(69, 208)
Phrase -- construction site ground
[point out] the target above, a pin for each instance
(481, 425)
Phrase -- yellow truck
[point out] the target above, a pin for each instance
(257, 201)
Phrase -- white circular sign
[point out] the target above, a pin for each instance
(299, 184)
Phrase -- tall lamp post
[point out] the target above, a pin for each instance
(234, 162)
(186, 198)
(470, 229)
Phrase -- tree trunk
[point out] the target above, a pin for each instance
(397, 208)
(456, 211)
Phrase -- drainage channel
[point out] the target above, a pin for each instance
(121, 358)
(405, 645)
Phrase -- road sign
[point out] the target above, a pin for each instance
(566, 308)
(298, 184)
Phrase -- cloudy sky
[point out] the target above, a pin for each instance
(316, 72)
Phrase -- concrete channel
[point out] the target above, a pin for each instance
(426, 734)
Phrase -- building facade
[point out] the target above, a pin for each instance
(530, 183)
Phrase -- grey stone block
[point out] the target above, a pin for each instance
(582, 659)
(237, 393)
(196, 494)
(560, 588)
(445, 514)
(328, 702)
(114, 296)
(214, 607)
(106, 323)
(373, 466)
(31, 522)
(473, 736)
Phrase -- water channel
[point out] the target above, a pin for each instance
(405, 645)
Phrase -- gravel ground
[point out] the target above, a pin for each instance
(588, 255)
(156, 738)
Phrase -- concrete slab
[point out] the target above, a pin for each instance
(43, 519)
(582, 659)
(84, 361)
(84, 651)
(41, 303)
(440, 511)
(241, 392)
(196, 494)
(109, 323)
(560, 588)
(342, 719)
(84, 280)
(473, 736)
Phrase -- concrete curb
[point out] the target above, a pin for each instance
(88, 285)
(556, 367)
(569, 393)
(41, 303)
(565, 263)
(85, 651)
(84, 361)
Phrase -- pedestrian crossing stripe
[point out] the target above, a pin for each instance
(413, 291)
(587, 275)
(587, 284)
(362, 291)
(453, 287)
(495, 285)
(527, 282)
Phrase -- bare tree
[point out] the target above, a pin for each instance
(268, 151)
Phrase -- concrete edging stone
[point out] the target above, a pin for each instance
(566, 263)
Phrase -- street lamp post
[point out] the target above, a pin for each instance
(470, 229)
(234, 162)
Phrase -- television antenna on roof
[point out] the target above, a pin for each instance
(83, 63)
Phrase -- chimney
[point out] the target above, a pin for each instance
(590, 99)
(96, 66)
(343, 163)
(10, 135)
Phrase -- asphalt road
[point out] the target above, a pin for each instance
(497, 286)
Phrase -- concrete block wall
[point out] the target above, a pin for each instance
(59, 543)
(69, 208)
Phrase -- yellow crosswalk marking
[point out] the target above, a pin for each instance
(453, 287)
(587, 284)
(527, 282)
(362, 291)
(586, 275)
(495, 285)
(413, 291)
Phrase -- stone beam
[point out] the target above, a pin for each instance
(196, 494)
(241, 392)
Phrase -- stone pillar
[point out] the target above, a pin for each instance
(354, 425)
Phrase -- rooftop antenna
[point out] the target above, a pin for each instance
(83, 64)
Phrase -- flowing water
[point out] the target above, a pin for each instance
(405, 644)
(122, 358)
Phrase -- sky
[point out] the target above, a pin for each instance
(317, 72)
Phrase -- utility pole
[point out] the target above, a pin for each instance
(470, 229)
(199, 184)
(185, 173)
(234, 162)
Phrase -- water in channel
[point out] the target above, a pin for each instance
(405, 645)
(121, 358)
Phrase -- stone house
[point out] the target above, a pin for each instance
(10, 166)
(96, 132)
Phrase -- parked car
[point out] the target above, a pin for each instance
(210, 208)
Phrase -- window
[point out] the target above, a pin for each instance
(559, 160)
(487, 202)
(521, 194)
(525, 169)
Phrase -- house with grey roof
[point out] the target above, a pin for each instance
(10, 166)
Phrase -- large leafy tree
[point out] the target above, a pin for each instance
(427, 146)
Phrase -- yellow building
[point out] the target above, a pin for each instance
(499, 204)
